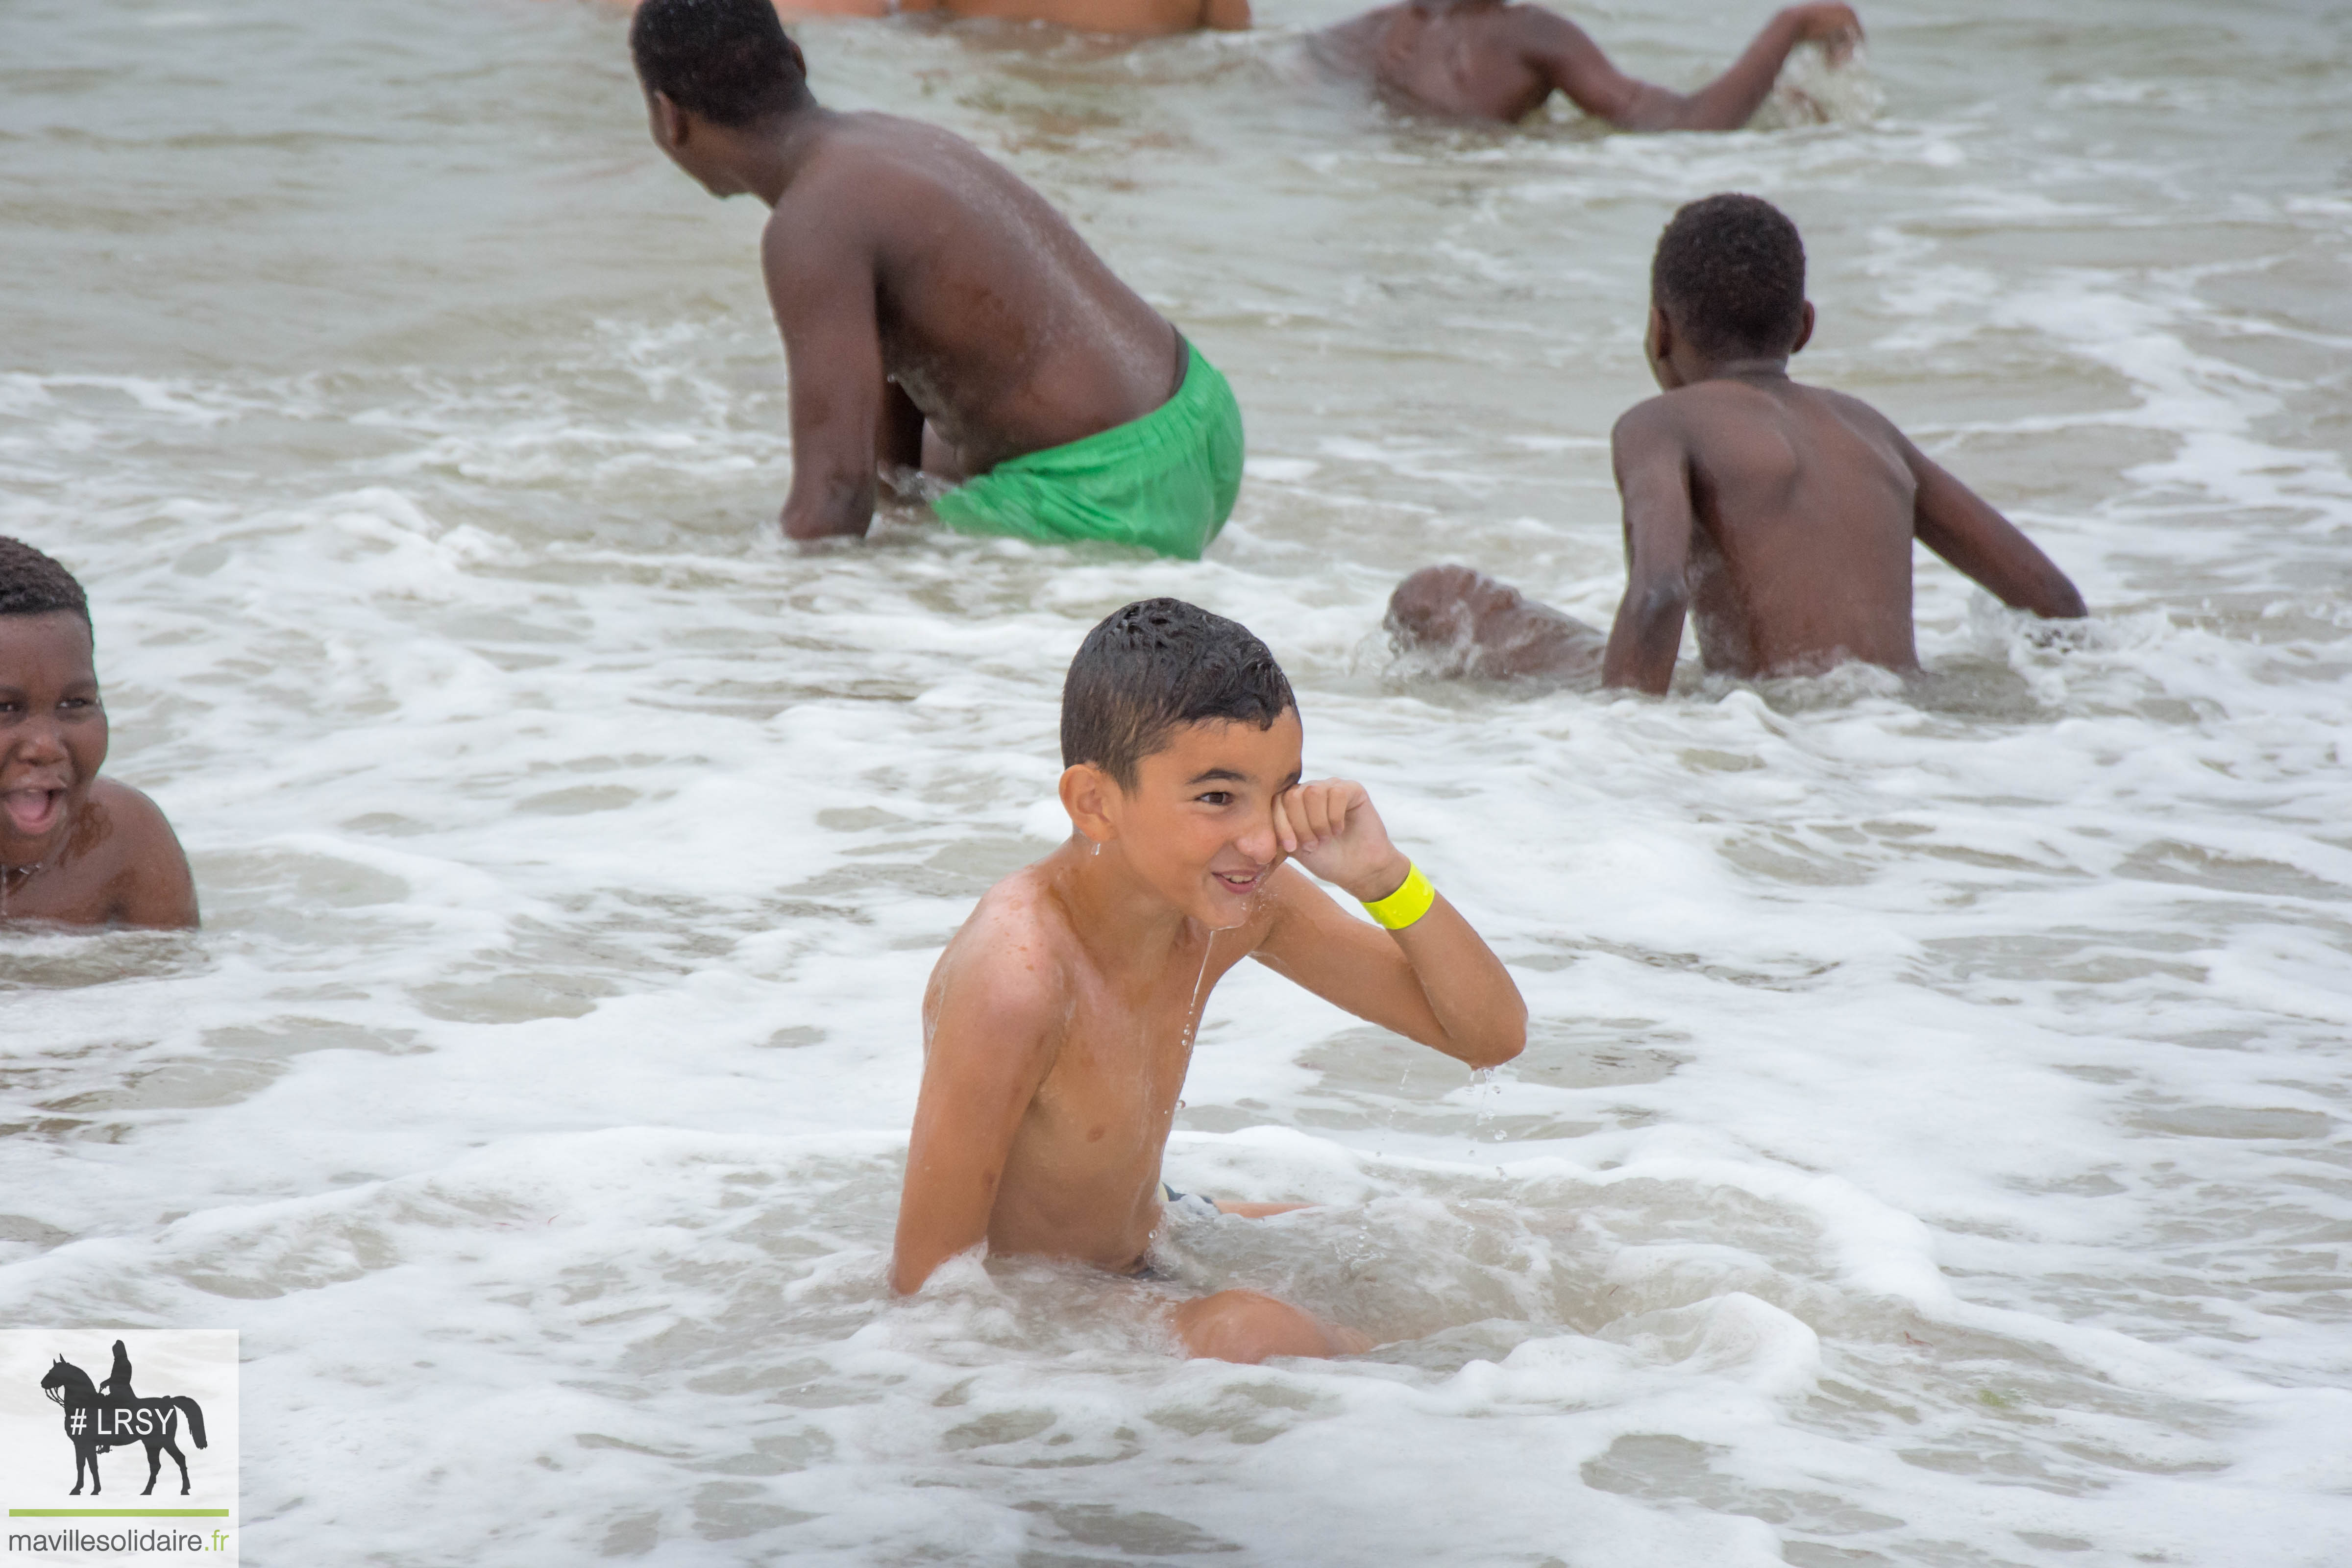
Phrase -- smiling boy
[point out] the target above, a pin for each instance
(1059, 1022)
(75, 849)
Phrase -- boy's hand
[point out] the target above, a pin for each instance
(1833, 26)
(1330, 827)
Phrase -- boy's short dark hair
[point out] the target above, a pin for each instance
(1730, 271)
(727, 60)
(1156, 665)
(33, 584)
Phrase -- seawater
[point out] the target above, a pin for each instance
(1932, 1144)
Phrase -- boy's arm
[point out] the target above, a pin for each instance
(821, 286)
(1954, 522)
(1654, 476)
(1436, 981)
(991, 1046)
(1225, 15)
(1575, 65)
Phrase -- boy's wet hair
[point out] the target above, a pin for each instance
(1156, 665)
(1731, 272)
(727, 60)
(33, 584)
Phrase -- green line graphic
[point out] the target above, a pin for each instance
(118, 1513)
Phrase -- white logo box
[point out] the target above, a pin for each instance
(119, 1521)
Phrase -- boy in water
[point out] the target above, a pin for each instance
(75, 848)
(1488, 60)
(1780, 517)
(936, 313)
(1059, 1021)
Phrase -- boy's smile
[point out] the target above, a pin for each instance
(52, 730)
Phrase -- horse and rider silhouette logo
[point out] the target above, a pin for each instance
(115, 1418)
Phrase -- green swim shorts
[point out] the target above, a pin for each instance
(1165, 482)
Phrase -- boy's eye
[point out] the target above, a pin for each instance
(1217, 797)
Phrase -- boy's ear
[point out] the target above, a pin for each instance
(1658, 348)
(670, 124)
(1086, 795)
(1804, 329)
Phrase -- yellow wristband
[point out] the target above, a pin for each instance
(1407, 904)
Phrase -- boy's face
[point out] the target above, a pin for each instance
(1199, 824)
(52, 732)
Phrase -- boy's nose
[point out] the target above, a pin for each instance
(38, 740)
(1260, 842)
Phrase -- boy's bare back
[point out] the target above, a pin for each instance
(1798, 520)
(898, 240)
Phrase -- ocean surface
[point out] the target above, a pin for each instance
(1934, 1144)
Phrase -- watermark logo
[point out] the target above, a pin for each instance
(80, 1408)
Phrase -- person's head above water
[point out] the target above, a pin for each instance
(1155, 666)
(718, 76)
(1179, 730)
(726, 61)
(75, 849)
(1728, 285)
(52, 727)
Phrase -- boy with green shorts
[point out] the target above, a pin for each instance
(940, 318)
(1058, 1023)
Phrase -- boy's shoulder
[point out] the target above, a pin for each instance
(1723, 405)
(130, 804)
(1670, 417)
(141, 847)
(866, 170)
(1013, 953)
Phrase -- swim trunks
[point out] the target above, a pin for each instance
(1193, 1206)
(1166, 481)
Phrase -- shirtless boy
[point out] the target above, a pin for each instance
(1488, 60)
(936, 313)
(1778, 517)
(75, 849)
(1059, 1022)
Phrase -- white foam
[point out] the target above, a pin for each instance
(1930, 1144)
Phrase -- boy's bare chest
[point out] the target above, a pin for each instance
(1122, 1058)
(82, 885)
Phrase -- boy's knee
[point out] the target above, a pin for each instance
(1247, 1326)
